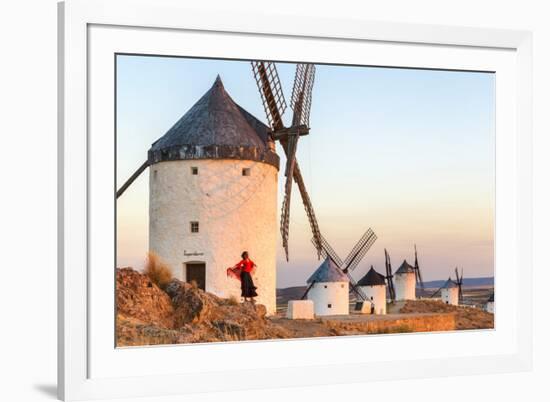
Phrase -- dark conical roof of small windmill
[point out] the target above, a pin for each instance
(491, 298)
(405, 268)
(328, 272)
(372, 278)
(450, 284)
(215, 128)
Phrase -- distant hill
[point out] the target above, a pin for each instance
(467, 282)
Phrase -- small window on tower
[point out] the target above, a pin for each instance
(329, 305)
(155, 173)
(194, 170)
(326, 286)
(194, 227)
(246, 171)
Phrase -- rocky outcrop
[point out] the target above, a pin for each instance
(139, 298)
(183, 313)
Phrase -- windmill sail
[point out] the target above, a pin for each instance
(354, 257)
(359, 251)
(271, 92)
(269, 85)
(132, 178)
(418, 275)
(459, 283)
(389, 276)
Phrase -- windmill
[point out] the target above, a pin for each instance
(355, 256)
(269, 85)
(417, 273)
(389, 276)
(459, 284)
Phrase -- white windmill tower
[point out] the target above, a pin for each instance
(373, 286)
(329, 289)
(449, 292)
(213, 194)
(405, 282)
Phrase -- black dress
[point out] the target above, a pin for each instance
(247, 285)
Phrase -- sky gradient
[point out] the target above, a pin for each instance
(407, 152)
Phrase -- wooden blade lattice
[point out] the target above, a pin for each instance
(302, 92)
(358, 252)
(285, 210)
(328, 252)
(271, 92)
(309, 209)
(269, 85)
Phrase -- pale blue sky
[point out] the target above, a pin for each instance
(407, 152)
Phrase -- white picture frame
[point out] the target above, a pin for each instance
(83, 27)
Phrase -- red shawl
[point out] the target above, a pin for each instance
(243, 265)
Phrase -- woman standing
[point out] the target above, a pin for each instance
(242, 270)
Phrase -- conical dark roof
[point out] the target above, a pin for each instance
(328, 272)
(450, 284)
(491, 298)
(372, 278)
(215, 128)
(405, 268)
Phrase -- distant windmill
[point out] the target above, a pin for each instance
(389, 276)
(450, 283)
(352, 260)
(417, 273)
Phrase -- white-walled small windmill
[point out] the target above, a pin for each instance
(373, 286)
(328, 288)
(353, 259)
(405, 282)
(449, 292)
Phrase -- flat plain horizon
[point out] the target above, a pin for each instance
(407, 152)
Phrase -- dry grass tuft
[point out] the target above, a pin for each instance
(158, 272)
(232, 301)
